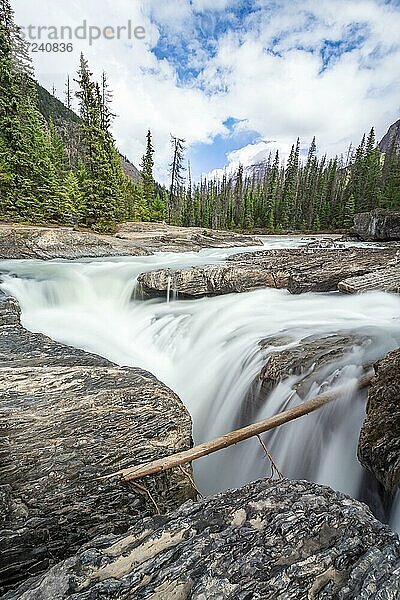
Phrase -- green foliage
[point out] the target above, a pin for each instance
(146, 172)
(39, 183)
(316, 194)
(73, 204)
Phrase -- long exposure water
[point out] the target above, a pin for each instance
(209, 352)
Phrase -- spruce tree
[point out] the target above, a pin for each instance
(146, 175)
(30, 191)
(104, 186)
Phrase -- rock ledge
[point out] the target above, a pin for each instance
(270, 539)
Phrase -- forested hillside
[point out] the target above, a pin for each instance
(69, 127)
(56, 167)
(43, 180)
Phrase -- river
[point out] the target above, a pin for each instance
(208, 352)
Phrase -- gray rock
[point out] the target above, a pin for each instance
(379, 224)
(67, 419)
(131, 239)
(392, 137)
(208, 280)
(49, 243)
(311, 359)
(379, 443)
(159, 237)
(298, 270)
(386, 280)
(284, 540)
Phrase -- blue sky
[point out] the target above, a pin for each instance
(237, 79)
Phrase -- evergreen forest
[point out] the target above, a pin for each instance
(42, 182)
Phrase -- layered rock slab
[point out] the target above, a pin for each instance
(270, 539)
(385, 280)
(379, 443)
(49, 243)
(159, 237)
(312, 358)
(298, 270)
(66, 419)
(208, 280)
(138, 239)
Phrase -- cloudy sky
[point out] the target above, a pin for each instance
(234, 78)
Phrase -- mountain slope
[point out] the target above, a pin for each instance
(67, 123)
(393, 133)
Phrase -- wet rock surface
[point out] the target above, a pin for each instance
(159, 237)
(270, 539)
(379, 224)
(386, 280)
(67, 418)
(379, 443)
(48, 243)
(131, 239)
(312, 359)
(208, 280)
(302, 270)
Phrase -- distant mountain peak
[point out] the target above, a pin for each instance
(393, 133)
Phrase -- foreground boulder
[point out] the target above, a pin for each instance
(67, 419)
(379, 444)
(379, 225)
(270, 539)
(302, 270)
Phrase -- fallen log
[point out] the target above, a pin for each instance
(234, 437)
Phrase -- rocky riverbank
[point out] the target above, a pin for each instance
(270, 539)
(317, 360)
(67, 419)
(379, 446)
(131, 239)
(379, 225)
(307, 269)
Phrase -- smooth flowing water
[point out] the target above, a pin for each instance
(209, 352)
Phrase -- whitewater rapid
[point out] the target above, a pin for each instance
(208, 351)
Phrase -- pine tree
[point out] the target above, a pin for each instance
(104, 187)
(107, 116)
(73, 200)
(349, 211)
(30, 191)
(68, 93)
(146, 174)
(175, 190)
(289, 194)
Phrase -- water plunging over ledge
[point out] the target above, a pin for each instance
(208, 351)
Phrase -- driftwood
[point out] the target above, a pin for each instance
(234, 437)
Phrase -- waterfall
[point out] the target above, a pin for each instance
(209, 352)
(168, 289)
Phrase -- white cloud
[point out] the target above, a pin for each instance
(252, 154)
(200, 5)
(281, 94)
